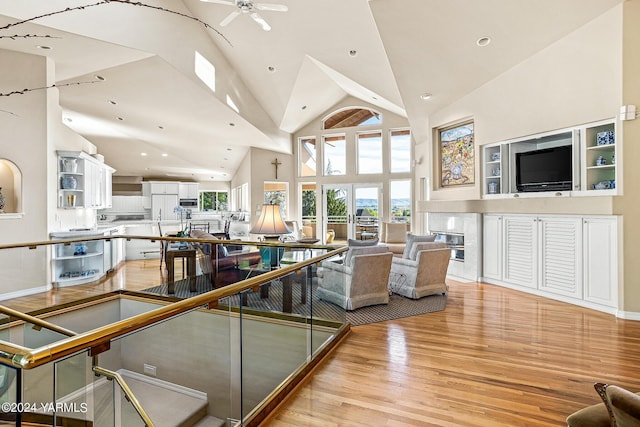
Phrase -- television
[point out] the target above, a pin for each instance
(548, 169)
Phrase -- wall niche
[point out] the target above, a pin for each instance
(11, 184)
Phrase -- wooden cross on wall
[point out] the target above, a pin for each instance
(276, 163)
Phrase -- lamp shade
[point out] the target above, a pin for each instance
(270, 221)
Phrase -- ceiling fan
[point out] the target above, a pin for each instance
(248, 6)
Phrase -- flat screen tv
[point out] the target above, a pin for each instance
(548, 169)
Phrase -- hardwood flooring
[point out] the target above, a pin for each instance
(493, 357)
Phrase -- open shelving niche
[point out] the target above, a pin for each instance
(72, 266)
(499, 172)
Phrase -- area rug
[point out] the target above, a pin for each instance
(398, 306)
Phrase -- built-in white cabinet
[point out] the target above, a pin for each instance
(567, 257)
(600, 254)
(188, 190)
(83, 182)
(577, 161)
(492, 246)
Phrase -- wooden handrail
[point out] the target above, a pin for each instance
(127, 391)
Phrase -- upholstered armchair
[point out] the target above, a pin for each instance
(619, 407)
(394, 235)
(423, 272)
(360, 280)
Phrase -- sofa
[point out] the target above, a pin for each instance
(225, 266)
(619, 408)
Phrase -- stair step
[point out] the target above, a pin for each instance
(210, 421)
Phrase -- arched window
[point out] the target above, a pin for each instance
(350, 117)
(11, 184)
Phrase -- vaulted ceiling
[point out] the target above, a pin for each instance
(385, 52)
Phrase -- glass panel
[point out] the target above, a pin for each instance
(128, 414)
(335, 155)
(336, 200)
(307, 156)
(25, 269)
(400, 197)
(8, 393)
(188, 360)
(74, 389)
(400, 151)
(367, 205)
(369, 152)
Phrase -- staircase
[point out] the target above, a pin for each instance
(167, 404)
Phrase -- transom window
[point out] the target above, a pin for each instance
(351, 117)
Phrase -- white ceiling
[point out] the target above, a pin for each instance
(404, 48)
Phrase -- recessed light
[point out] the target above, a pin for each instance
(98, 77)
(483, 41)
(120, 118)
(425, 96)
(143, 154)
(43, 47)
(164, 154)
(271, 69)
(373, 97)
(111, 101)
(353, 53)
(228, 149)
(68, 119)
(232, 124)
(304, 107)
(161, 127)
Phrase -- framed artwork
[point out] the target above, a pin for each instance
(457, 158)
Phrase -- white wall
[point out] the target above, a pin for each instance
(574, 81)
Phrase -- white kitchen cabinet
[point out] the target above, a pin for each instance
(162, 206)
(492, 244)
(600, 260)
(159, 187)
(188, 190)
(83, 181)
(520, 249)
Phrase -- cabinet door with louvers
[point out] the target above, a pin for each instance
(561, 255)
(520, 250)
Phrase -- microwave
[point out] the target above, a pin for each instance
(189, 203)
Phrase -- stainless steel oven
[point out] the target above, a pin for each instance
(189, 203)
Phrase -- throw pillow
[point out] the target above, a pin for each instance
(363, 250)
(412, 238)
(370, 242)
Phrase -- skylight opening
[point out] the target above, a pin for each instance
(232, 105)
(205, 71)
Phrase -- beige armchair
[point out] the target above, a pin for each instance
(423, 274)
(394, 235)
(361, 280)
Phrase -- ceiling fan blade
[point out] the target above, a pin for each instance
(260, 20)
(271, 7)
(229, 18)
(227, 2)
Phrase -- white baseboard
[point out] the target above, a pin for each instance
(25, 292)
(164, 384)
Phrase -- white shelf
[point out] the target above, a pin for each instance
(89, 255)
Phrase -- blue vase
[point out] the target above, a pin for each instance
(69, 182)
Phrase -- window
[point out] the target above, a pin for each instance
(308, 203)
(232, 104)
(369, 152)
(205, 71)
(334, 155)
(214, 201)
(276, 193)
(350, 117)
(400, 198)
(400, 150)
(307, 156)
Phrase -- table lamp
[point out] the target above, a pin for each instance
(271, 225)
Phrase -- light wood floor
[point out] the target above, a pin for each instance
(493, 357)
